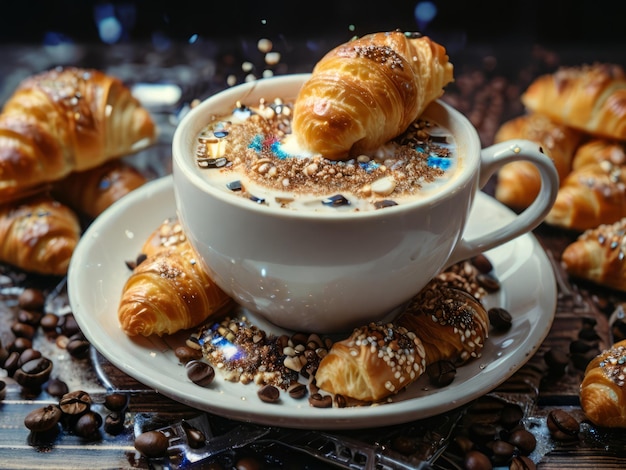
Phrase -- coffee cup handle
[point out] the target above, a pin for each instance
(492, 159)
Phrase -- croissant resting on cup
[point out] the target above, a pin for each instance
(170, 290)
(367, 91)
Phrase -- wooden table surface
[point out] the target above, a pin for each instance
(489, 81)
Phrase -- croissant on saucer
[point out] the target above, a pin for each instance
(518, 183)
(377, 360)
(64, 120)
(170, 290)
(603, 389)
(367, 91)
(38, 235)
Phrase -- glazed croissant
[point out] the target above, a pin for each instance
(590, 196)
(65, 120)
(591, 98)
(518, 183)
(603, 389)
(598, 255)
(375, 361)
(452, 325)
(169, 291)
(38, 235)
(367, 91)
(600, 150)
(90, 192)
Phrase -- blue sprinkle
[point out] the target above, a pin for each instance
(242, 113)
(256, 143)
(420, 149)
(369, 166)
(436, 161)
(277, 149)
(220, 134)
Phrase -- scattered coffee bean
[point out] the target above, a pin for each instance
(511, 415)
(269, 394)
(116, 401)
(34, 373)
(482, 263)
(20, 344)
(340, 401)
(476, 460)
(88, 425)
(68, 325)
(321, 401)
(483, 432)
(186, 354)
(29, 317)
(441, 373)
(248, 463)
(49, 322)
(524, 440)
(11, 363)
(3, 389)
(500, 318)
(28, 355)
(195, 437)
(78, 346)
(488, 282)
(23, 330)
(297, 390)
(152, 444)
(562, 425)
(557, 360)
(200, 373)
(75, 403)
(521, 462)
(56, 388)
(114, 423)
(43, 419)
(31, 299)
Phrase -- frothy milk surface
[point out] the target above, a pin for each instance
(251, 153)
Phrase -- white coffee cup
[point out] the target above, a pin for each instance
(329, 272)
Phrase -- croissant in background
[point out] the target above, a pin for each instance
(90, 192)
(591, 98)
(64, 120)
(367, 91)
(591, 195)
(170, 290)
(38, 235)
(599, 255)
(518, 183)
(600, 150)
(603, 389)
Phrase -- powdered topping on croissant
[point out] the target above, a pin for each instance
(367, 91)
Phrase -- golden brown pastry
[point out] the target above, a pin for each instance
(38, 235)
(374, 362)
(603, 389)
(591, 98)
(452, 325)
(598, 255)
(599, 150)
(590, 196)
(65, 120)
(169, 291)
(367, 91)
(518, 183)
(90, 192)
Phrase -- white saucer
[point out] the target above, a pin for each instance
(98, 271)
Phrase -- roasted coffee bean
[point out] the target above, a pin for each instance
(321, 401)
(78, 346)
(297, 390)
(152, 444)
(88, 425)
(34, 373)
(11, 363)
(482, 263)
(20, 344)
(340, 401)
(404, 444)
(195, 437)
(56, 388)
(43, 419)
(68, 325)
(4, 354)
(3, 389)
(269, 394)
(29, 317)
(116, 401)
(562, 425)
(114, 423)
(23, 330)
(511, 415)
(248, 463)
(49, 322)
(441, 373)
(31, 299)
(75, 403)
(186, 354)
(476, 460)
(500, 318)
(200, 373)
(521, 462)
(28, 355)
(557, 360)
(502, 451)
(488, 282)
(483, 432)
(524, 440)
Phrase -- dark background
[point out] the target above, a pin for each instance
(547, 22)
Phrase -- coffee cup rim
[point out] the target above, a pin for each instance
(191, 124)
